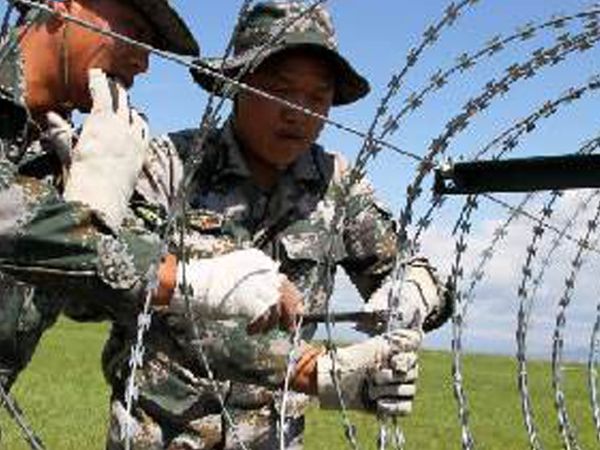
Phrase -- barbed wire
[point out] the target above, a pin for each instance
(466, 62)
(527, 299)
(515, 72)
(370, 146)
(567, 431)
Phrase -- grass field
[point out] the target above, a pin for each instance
(64, 397)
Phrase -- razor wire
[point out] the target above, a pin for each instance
(16, 413)
(527, 299)
(526, 303)
(515, 72)
(566, 428)
(426, 163)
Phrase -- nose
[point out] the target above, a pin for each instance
(294, 114)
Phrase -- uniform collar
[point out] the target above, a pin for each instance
(232, 161)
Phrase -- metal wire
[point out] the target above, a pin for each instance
(566, 428)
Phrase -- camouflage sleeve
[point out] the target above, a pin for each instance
(369, 237)
(233, 355)
(47, 242)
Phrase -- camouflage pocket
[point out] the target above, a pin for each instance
(313, 246)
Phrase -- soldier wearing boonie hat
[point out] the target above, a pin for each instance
(265, 183)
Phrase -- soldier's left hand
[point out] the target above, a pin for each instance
(109, 154)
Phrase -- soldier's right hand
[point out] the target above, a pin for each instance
(109, 154)
(245, 283)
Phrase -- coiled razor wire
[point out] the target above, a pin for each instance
(372, 146)
(553, 55)
(527, 299)
(566, 428)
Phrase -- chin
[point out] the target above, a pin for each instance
(82, 102)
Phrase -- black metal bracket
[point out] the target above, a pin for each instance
(519, 175)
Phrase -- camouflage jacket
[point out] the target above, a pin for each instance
(49, 243)
(292, 223)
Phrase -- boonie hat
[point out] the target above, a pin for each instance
(172, 34)
(291, 27)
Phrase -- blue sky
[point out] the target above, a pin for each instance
(376, 35)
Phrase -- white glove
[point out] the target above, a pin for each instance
(424, 302)
(110, 152)
(243, 283)
(381, 371)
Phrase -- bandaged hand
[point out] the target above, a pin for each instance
(110, 151)
(422, 301)
(244, 283)
(378, 374)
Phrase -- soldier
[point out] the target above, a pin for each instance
(82, 249)
(44, 75)
(265, 183)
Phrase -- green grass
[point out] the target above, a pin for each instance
(65, 398)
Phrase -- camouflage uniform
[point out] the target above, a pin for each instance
(292, 224)
(65, 249)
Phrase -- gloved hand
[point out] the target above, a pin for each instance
(109, 153)
(378, 373)
(244, 283)
(424, 302)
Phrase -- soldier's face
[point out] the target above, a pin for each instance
(86, 49)
(273, 133)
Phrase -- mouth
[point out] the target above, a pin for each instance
(291, 136)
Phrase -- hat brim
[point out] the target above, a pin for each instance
(172, 33)
(350, 86)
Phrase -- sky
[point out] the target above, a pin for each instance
(376, 36)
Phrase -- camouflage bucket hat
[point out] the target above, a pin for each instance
(172, 34)
(293, 28)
